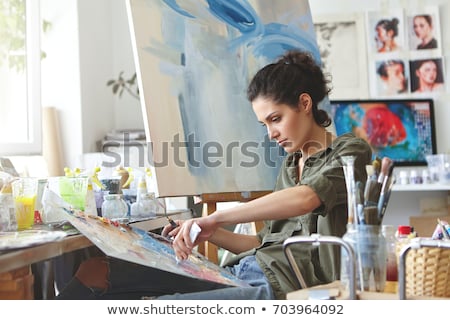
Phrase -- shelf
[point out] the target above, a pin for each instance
(421, 187)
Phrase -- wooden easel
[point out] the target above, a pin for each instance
(209, 201)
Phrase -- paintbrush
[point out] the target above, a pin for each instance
(371, 215)
(385, 193)
(370, 191)
(359, 192)
(386, 164)
(443, 228)
(376, 163)
(350, 185)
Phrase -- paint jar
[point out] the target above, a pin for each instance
(24, 191)
(414, 177)
(114, 207)
(391, 260)
(112, 185)
(73, 190)
(439, 167)
(404, 178)
(426, 177)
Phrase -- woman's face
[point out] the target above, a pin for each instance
(287, 126)
(382, 34)
(427, 72)
(396, 77)
(421, 27)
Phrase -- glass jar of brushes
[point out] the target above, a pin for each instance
(364, 234)
(369, 246)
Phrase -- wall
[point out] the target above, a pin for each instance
(408, 203)
(88, 44)
(100, 28)
(60, 71)
(442, 101)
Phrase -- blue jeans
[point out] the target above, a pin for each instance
(133, 281)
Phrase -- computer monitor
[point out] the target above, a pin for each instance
(402, 130)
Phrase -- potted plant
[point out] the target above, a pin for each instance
(122, 84)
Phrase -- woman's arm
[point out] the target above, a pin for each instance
(283, 204)
(234, 242)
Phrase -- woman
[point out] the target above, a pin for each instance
(386, 31)
(423, 29)
(426, 72)
(309, 197)
(392, 74)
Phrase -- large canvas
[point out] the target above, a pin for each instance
(194, 61)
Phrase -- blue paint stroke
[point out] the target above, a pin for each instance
(277, 38)
(174, 5)
(237, 14)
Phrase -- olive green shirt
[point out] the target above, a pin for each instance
(323, 173)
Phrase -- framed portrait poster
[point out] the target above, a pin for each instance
(341, 42)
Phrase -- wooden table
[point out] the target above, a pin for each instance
(16, 276)
(17, 281)
(15, 259)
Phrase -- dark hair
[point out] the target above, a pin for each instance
(284, 81)
(389, 25)
(427, 18)
(416, 64)
(381, 70)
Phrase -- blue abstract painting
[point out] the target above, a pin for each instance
(195, 59)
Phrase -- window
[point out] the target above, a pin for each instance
(20, 100)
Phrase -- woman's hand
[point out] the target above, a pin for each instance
(171, 230)
(182, 243)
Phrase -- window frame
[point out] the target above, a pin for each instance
(33, 80)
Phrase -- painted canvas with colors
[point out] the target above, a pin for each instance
(194, 61)
(152, 250)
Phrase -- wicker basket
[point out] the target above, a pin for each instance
(427, 271)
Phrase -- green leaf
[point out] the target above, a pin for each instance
(115, 88)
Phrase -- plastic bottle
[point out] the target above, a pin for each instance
(402, 235)
(91, 206)
(391, 259)
(144, 207)
(7, 211)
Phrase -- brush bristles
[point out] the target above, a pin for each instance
(369, 170)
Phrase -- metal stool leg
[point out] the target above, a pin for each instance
(316, 239)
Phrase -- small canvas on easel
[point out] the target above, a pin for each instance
(194, 61)
(148, 249)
